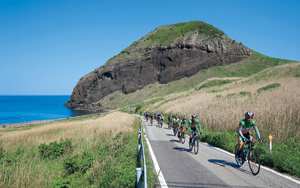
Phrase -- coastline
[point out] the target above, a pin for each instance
(9, 125)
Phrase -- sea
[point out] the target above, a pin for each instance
(20, 109)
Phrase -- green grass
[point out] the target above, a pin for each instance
(111, 163)
(215, 83)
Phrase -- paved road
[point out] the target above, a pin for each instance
(209, 168)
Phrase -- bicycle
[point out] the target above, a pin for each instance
(175, 130)
(151, 121)
(181, 137)
(195, 143)
(249, 154)
(169, 124)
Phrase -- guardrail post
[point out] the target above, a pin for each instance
(139, 177)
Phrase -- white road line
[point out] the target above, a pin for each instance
(159, 173)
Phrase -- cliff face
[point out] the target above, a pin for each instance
(142, 64)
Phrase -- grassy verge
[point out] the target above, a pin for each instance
(72, 154)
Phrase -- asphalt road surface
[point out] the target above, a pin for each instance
(211, 167)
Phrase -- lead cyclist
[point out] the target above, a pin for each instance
(194, 126)
(244, 133)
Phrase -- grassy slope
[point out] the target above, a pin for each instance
(247, 67)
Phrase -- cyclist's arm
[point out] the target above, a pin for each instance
(199, 128)
(257, 132)
(239, 131)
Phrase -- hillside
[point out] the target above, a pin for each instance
(167, 54)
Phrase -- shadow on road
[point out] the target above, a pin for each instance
(224, 163)
(182, 149)
(170, 134)
(174, 140)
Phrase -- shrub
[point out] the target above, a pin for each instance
(138, 108)
(270, 86)
(54, 149)
(245, 93)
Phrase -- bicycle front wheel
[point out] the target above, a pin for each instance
(196, 147)
(183, 138)
(253, 161)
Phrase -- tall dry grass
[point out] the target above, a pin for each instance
(28, 169)
(277, 111)
(87, 130)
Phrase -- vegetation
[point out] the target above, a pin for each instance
(276, 112)
(270, 86)
(168, 35)
(89, 152)
(215, 83)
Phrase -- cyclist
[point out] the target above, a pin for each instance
(182, 125)
(169, 122)
(193, 125)
(158, 118)
(146, 116)
(175, 123)
(151, 118)
(244, 132)
(161, 119)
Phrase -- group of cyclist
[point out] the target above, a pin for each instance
(194, 127)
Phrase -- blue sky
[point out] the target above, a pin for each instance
(47, 46)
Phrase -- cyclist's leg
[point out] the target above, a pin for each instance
(191, 135)
(240, 142)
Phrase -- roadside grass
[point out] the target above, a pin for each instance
(97, 152)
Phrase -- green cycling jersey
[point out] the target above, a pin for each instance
(183, 124)
(194, 125)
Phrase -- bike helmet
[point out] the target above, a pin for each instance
(194, 116)
(249, 114)
(184, 118)
(176, 116)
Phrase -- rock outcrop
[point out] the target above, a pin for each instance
(146, 62)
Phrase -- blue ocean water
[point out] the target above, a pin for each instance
(18, 109)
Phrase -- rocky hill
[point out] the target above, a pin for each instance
(168, 53)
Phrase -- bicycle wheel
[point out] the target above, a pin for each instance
(182, 138)
(253, 161)
(175, 131)
(196, 146)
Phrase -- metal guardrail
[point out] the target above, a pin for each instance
(141, 173)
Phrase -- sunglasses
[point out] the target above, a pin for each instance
(249, 117)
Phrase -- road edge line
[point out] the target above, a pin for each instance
(159, 173)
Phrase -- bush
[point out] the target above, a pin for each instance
(54, 149)
(245, 93)
(270, 86)
(138, 108)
